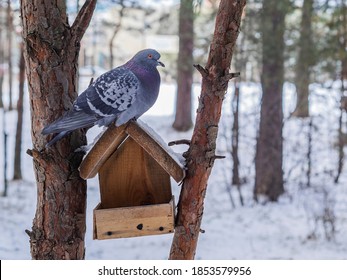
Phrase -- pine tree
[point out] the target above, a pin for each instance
(201, 153)
(51, 48)
(304, 61)
(183, 118)
(269, 153)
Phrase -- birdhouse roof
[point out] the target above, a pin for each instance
(144, 136)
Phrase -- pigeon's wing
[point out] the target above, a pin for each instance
(111, 94)
(70, 121)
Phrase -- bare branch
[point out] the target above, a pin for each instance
(29, 233)
(203, 71)
(179, 142)
(218, 157)
(230, 76)
(36, 155)
(82, 20)
(30, 152)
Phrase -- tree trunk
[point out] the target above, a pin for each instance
(240, 61)
(235, 133)
(342, 33)
(201, 153)
(9, 42)
(116, 30)
(51, 49)
(343, 44)
(268, 162)
(235, 136)
(17, 175)
(183, 118)
(2, 72)
(304, 62)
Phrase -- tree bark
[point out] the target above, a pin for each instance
(304, 62)
(269, 154)
(235, 136)
(342, 34)
(2, 58)
(201, 153)
(17, 170)
(51, 49)
(2, 71)
(343, 44)
(9, 42)
(116, 30)
(183, 117)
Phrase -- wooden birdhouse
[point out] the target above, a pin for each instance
(134, 167)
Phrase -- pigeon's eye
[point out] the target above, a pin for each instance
(149, 56)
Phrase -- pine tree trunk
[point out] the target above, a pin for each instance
(183, 118)
(304, 62)
(343, 101)
(9, 42)
(269, 154)
(343, 42)
(235, 136)
(201, 153)
(17, 170)
(51, 49)
(2, 72)
(116, 30)
(1, 75)
(1, 89)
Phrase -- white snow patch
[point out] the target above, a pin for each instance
(280, 230)
(178, 158)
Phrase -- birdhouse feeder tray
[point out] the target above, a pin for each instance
(134, 167)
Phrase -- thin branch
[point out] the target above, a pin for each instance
(29, 233)
(39, 157)
(82, 20)
(203, 71)
(218, 157)
(179, 142)
(230, 76)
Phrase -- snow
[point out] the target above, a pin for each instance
(177, 157)
(293, 228)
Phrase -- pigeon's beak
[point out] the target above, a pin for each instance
(160, 63)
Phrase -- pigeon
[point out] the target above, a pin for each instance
(117, 96)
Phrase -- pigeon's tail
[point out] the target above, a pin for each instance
(56, 138)
(70, 121)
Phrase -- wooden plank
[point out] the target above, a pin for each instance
(131, 177)
(113, 137)
(94, 221)
(156, 151)
(102, 150)
(134, 221)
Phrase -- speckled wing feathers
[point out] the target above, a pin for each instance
(117, 96)
(114, 92)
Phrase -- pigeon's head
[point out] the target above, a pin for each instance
(148, 58)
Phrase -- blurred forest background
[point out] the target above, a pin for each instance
(298, 46)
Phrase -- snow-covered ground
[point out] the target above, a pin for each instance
(290, 229)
